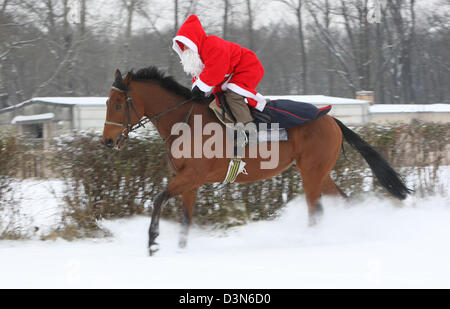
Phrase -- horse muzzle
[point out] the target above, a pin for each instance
(108, 142)
(118, 143)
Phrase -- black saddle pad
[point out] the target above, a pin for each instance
(286, 113)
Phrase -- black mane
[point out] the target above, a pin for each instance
(168, 82)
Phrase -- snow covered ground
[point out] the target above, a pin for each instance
(374, 243)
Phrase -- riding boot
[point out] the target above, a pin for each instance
(242, 115)
(236, 165)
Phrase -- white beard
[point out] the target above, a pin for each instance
(192, 63)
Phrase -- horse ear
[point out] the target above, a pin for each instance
(118, 75)
(127, 79)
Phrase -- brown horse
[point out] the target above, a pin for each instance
(313, 147)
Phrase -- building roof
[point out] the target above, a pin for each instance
(72, 100)
(100, 101)
(32, 118)
(312, 99)
(409, 108)
(78, 101)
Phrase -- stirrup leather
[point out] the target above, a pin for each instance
(235, 167)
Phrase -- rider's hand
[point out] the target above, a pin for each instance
(197, 94)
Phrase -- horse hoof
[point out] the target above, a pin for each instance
(182, 244)
(153, 249)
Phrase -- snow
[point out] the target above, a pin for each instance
(372, 243)
(38, 117)
(41, 202)
(318, 99)
(409, 108)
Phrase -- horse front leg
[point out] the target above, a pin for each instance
(187, 180)
(188, 199)
(153, 232)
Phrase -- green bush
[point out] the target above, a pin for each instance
(103, 183)
(10, 216)
(416, 151)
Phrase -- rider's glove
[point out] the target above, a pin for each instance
(197, 94)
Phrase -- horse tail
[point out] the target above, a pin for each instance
(385, 174)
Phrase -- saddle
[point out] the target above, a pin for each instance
(223, 113)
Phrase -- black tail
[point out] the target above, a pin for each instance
(385, 174)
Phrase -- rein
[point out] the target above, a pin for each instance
(129, 127)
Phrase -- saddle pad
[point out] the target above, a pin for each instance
(266, 136)
(288, 113)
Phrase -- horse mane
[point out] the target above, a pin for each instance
(153, 74)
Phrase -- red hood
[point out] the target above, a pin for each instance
(191, 34)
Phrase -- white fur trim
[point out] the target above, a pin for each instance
(225, 84)
(261, 101)
(185, 41)
(200, 84)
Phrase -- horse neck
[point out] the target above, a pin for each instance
(157, 100)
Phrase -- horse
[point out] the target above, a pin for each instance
(312, 148)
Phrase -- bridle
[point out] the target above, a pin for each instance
(127, 122)
(142, 121)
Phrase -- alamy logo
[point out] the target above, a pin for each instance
(213, 141)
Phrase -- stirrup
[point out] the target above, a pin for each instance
(235, 167)
(241, 140)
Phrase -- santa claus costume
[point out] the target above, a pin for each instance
(220, 66)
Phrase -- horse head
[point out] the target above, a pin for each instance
(122, 114)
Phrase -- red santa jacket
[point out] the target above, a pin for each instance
(227, 65)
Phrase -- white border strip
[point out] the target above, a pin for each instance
(186, 41)
(200, 84)
(261, 101)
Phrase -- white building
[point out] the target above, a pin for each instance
(382, 113)
(45, 117)
(349, 111)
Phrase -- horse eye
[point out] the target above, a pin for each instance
(118, 107)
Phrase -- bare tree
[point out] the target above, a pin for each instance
(83, 13)
(296, 6)
(404, 58)
(405, 31)
(339, 52)
(12, 40)
(250, 24)
(329, 57)
(226, 13)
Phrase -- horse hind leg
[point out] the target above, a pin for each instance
(329, 187)
(312, 185)
(319, 148)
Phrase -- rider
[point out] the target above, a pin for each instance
(221, 66)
